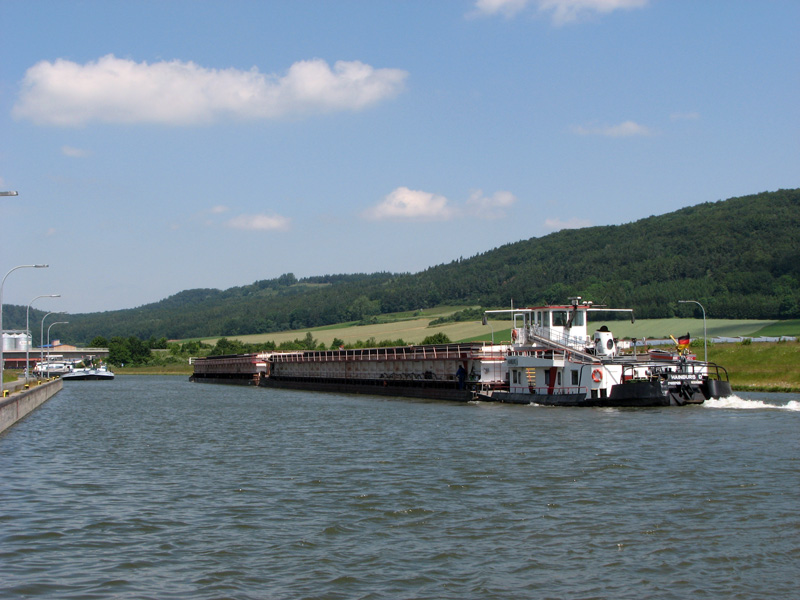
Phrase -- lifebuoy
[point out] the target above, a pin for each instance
(597, 376)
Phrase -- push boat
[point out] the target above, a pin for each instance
(551, 360)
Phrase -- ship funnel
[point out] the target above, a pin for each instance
(604, 343)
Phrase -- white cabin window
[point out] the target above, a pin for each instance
(559, 318)
(574, 376)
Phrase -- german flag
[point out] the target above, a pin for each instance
(683, 342)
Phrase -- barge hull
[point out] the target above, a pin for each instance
(370, 387)
(576, 400)
(233, 379)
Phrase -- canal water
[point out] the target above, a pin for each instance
(153, 487)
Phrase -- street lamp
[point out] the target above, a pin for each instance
(28, 331)
(705, 335)
(41, 339)
(485, 321)
(2, 283)
(48, 335)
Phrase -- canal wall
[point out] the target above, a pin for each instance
(19, 404)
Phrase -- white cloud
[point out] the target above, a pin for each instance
(490, 207)
(73, 152)
(561, 11)
(507, 8)
(116, 90)
(566, 11)
(557, 224)
(416, 205)
(260, 223)
(219, 209)
(404, 203)
(626, 129)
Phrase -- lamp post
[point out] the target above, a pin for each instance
(41, 339)
(48, 335)
(485, 321)
(705, 335)
(2, 365)
(28, 331)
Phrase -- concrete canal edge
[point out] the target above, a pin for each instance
(19, 404)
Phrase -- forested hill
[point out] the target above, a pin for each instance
(739, 257)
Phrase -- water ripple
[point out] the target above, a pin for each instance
(157, 488)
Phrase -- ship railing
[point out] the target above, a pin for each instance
(432, 352)
(570, 341)
(653, 369)
(557, 343)
(558, 391)
(716, 371)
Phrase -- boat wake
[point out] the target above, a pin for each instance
(736, 402)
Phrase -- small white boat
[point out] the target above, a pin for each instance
(54, 365)
(88, 373)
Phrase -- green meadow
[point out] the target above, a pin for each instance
(412, 329)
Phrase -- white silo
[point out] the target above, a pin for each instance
(9, 342)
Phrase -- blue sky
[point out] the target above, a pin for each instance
(163, 146)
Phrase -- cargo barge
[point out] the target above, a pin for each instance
(430, 371)
(550, 360)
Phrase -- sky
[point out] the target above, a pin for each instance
(163, 146)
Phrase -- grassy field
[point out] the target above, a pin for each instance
(413, 329)
(183, 370)
(763, 366)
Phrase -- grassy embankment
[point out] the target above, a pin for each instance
(762, 366)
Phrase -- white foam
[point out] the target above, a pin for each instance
(744, 404)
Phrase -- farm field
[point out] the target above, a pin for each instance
(412, 330)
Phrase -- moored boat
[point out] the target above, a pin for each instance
(88, 373)
(53, 366)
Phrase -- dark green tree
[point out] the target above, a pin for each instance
(437, 338)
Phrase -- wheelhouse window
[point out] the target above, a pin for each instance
(559, 318)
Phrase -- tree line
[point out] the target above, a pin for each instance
(132, 352)
(738, 257)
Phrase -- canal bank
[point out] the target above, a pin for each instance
(22, 402)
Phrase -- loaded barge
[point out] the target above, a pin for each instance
(550, 360)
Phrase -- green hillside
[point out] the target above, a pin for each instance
(738, 257)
